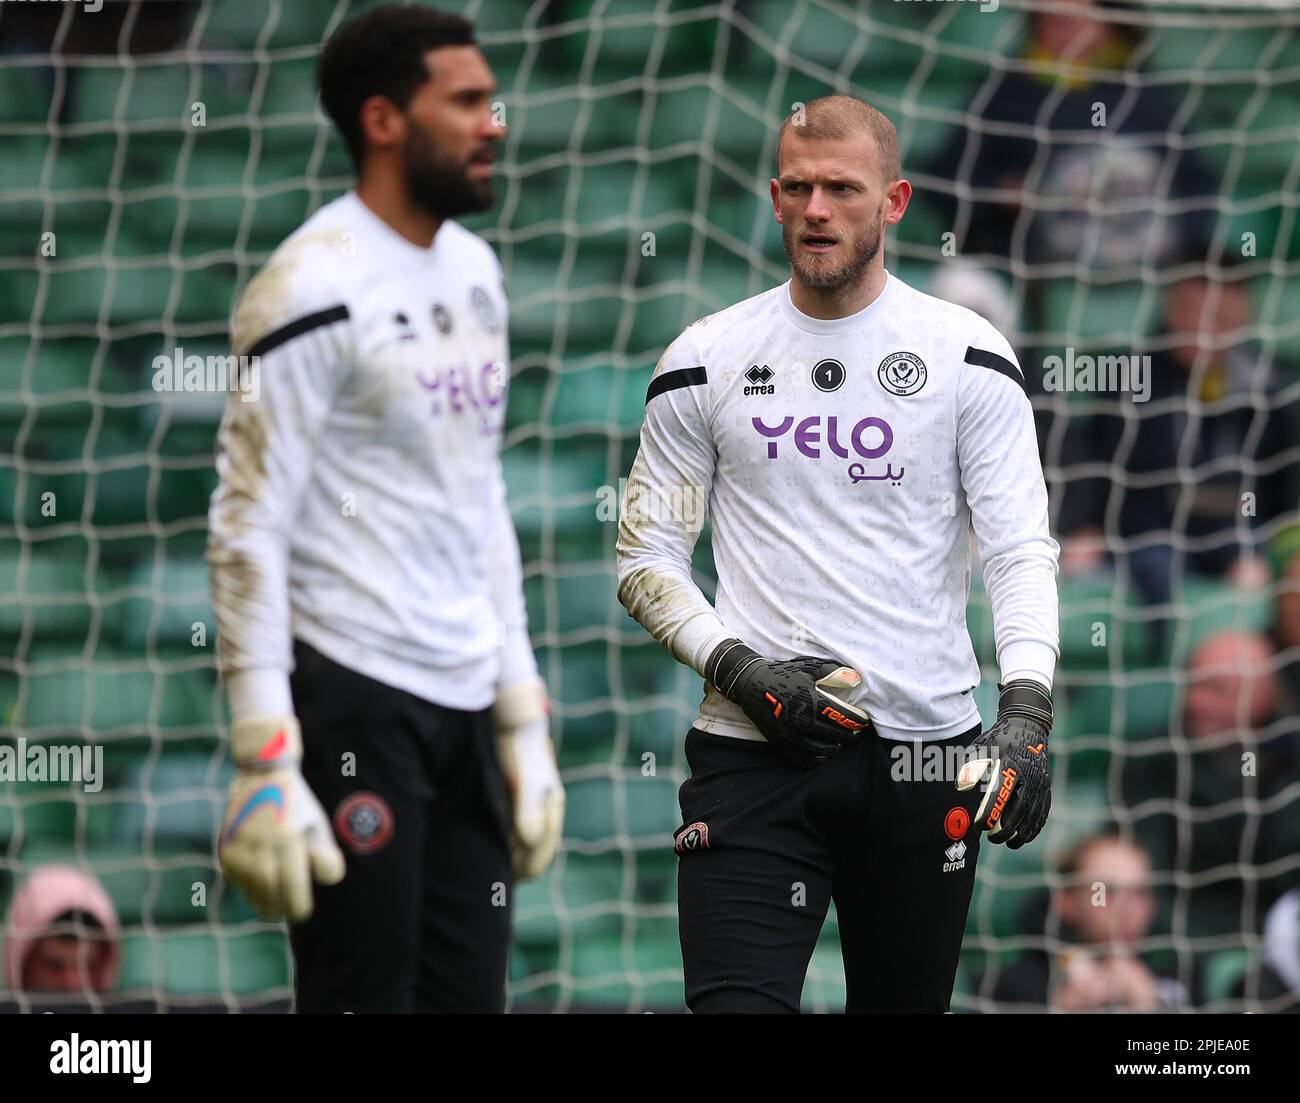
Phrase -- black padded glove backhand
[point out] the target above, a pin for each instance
(1019, 794)
(795, 703)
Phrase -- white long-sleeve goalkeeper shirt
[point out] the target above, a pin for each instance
(844, 464)
(361, 506)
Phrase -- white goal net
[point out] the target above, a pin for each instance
(1089, 194)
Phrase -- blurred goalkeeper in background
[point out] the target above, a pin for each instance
(389, 726)
(848, 432)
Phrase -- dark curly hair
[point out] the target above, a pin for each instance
(381, 53)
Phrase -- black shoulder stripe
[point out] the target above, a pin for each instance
(985, 359)
(297, 328)
(671, 380)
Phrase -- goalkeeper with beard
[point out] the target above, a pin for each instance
(389, 726)
(848, 432)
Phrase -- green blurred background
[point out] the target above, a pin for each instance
(626, 118)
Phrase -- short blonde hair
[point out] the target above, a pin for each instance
(831, 117)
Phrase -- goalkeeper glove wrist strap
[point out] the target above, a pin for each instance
(265, 741)
(728, 663)
(1025, 697)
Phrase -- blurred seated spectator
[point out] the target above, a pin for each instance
(1199, 472)
(1284, 553)
(61, 934)
(1093, 927)
(1053, 184)
(1217, 805)
(1275, 985)
(973, 286)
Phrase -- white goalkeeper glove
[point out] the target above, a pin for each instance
(527, 758)
(275, 837)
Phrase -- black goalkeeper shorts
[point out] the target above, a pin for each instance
(421, 921)
(765, 846)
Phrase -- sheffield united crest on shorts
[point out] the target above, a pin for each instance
(364, 822)
(694, 836)
(902, 373)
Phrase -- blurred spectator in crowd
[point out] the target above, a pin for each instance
(1274, 985)
(1198, 474)
(1220, 864)
(1055, 183)
(973, 286)
(1093, 927)
(61, 934)
(1284, 553)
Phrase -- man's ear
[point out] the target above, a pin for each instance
(775, 187)
(899, 195)
(382, 124)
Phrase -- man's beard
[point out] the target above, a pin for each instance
(439, 187)
(820, 276)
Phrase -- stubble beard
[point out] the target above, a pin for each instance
(818, 274)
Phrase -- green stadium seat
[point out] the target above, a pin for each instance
(290, 88)
(582, 602)
(144, 887)
(144, 93)
(156, 94)
(33, 811)
(674, 46)
(205, 962)
(634, 968)
(555, 486)
(580, 893)
(1223, 971)
(604, 810)
(164, 604)
(1091, 610)
(1193, 53)
(959, 33)
(159, 796)
(599, 397)
(1135, 704)
(134, 293)
(116, 694)
(129, 490)
(1207, 606)
(35, 167)
(229, 24)
(51, 598)
(591, 305)
(26, 94)
(555, 113)
(1105, 317)
(61, 373)
(174, 798)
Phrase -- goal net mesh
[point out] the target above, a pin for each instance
(152, 155)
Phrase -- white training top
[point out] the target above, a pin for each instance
(361, 506)
(844, 464)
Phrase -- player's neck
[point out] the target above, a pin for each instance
(841, 302)
(389, 203)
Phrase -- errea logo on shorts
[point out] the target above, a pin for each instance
(956, 855)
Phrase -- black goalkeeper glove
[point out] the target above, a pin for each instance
(1019, 793)
(794, 702)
